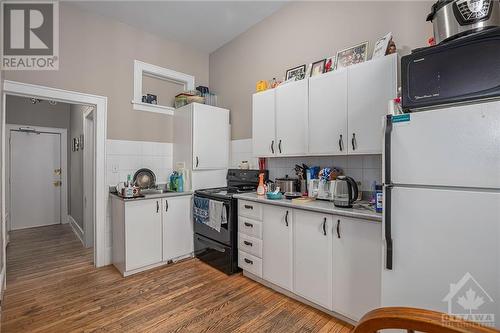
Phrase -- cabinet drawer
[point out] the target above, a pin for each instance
(250, 245)
(250, 227)
(250, 263)
(250, 209)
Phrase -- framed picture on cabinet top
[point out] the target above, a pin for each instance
(296, 73)
(352, 55)
(318, 67)
(329, 64)
(381, 46)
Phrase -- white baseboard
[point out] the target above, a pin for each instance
(76, 229)
(108, 259)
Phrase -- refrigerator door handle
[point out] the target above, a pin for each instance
(387, 195)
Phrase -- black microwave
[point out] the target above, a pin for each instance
(461, 70)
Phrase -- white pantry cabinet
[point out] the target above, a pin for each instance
(370, 86)
(357, 264)
(277, 246)
(291, 118)
(150, 232)
(263, 123)
(312, 256)
(177, 227)
(328, 113)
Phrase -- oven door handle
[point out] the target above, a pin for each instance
(211, 244)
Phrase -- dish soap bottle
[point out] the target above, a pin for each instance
(261, 189)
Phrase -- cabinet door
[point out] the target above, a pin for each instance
(357, 266)
(328, 113)
(143, 240)
(312, 257)
(263, 124)
(210, 137)
(177, 227)
(370, 87)
(291, 118)
(277, 246)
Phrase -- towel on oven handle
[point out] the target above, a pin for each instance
(201, 210)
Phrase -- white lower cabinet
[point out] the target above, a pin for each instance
(148, 233)
(177, 227)
(312, 257)
(357, 266)
(332, 261)
(277, 246)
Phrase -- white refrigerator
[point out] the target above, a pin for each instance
(441, 220)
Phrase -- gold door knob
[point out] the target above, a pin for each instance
(57, 183)
(57, 172)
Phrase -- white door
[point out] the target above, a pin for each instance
(35, 179)
(210, 137)
(177, 227)
(440, 235)
(456, 146)
(277, 246)
(143, 233)
(263, 124)
(312, 257)
(328, 113)
(370, 87)
(357, 266)
(291, 118)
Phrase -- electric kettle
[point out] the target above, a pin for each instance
(345, 192)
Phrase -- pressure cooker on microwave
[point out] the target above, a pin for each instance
(455, 18)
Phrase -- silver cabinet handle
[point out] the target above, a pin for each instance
(341, 143)
(279, 146)
(272, 146)
(197, 161)
(166, 205)
(353, 141)
(324, 226)
(157, 206)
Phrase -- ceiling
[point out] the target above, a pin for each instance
(203, 25)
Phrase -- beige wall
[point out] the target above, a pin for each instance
(75, 165)
(304, 32)
(96, 57)
(20, 111)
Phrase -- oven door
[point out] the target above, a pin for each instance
(217, 255)
(224, 236)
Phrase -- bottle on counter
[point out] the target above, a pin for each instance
(261, 190)
(379, 199)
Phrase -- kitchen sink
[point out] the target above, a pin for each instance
(151, 191)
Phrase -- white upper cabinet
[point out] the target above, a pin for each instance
(210, 137)
(177, 227)
(263, 124)
(277, 251)
(357, 266)
(291, 118)
(328, 113)
(312, 257)
(370, 86)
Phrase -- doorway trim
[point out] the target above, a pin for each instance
(64, 166)
(88, 173)
(102, 255)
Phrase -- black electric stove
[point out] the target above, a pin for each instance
(220, 248)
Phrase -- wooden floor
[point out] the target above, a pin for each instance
(52, 286)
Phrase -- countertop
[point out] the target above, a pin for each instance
(358, 211)
(152, 196)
